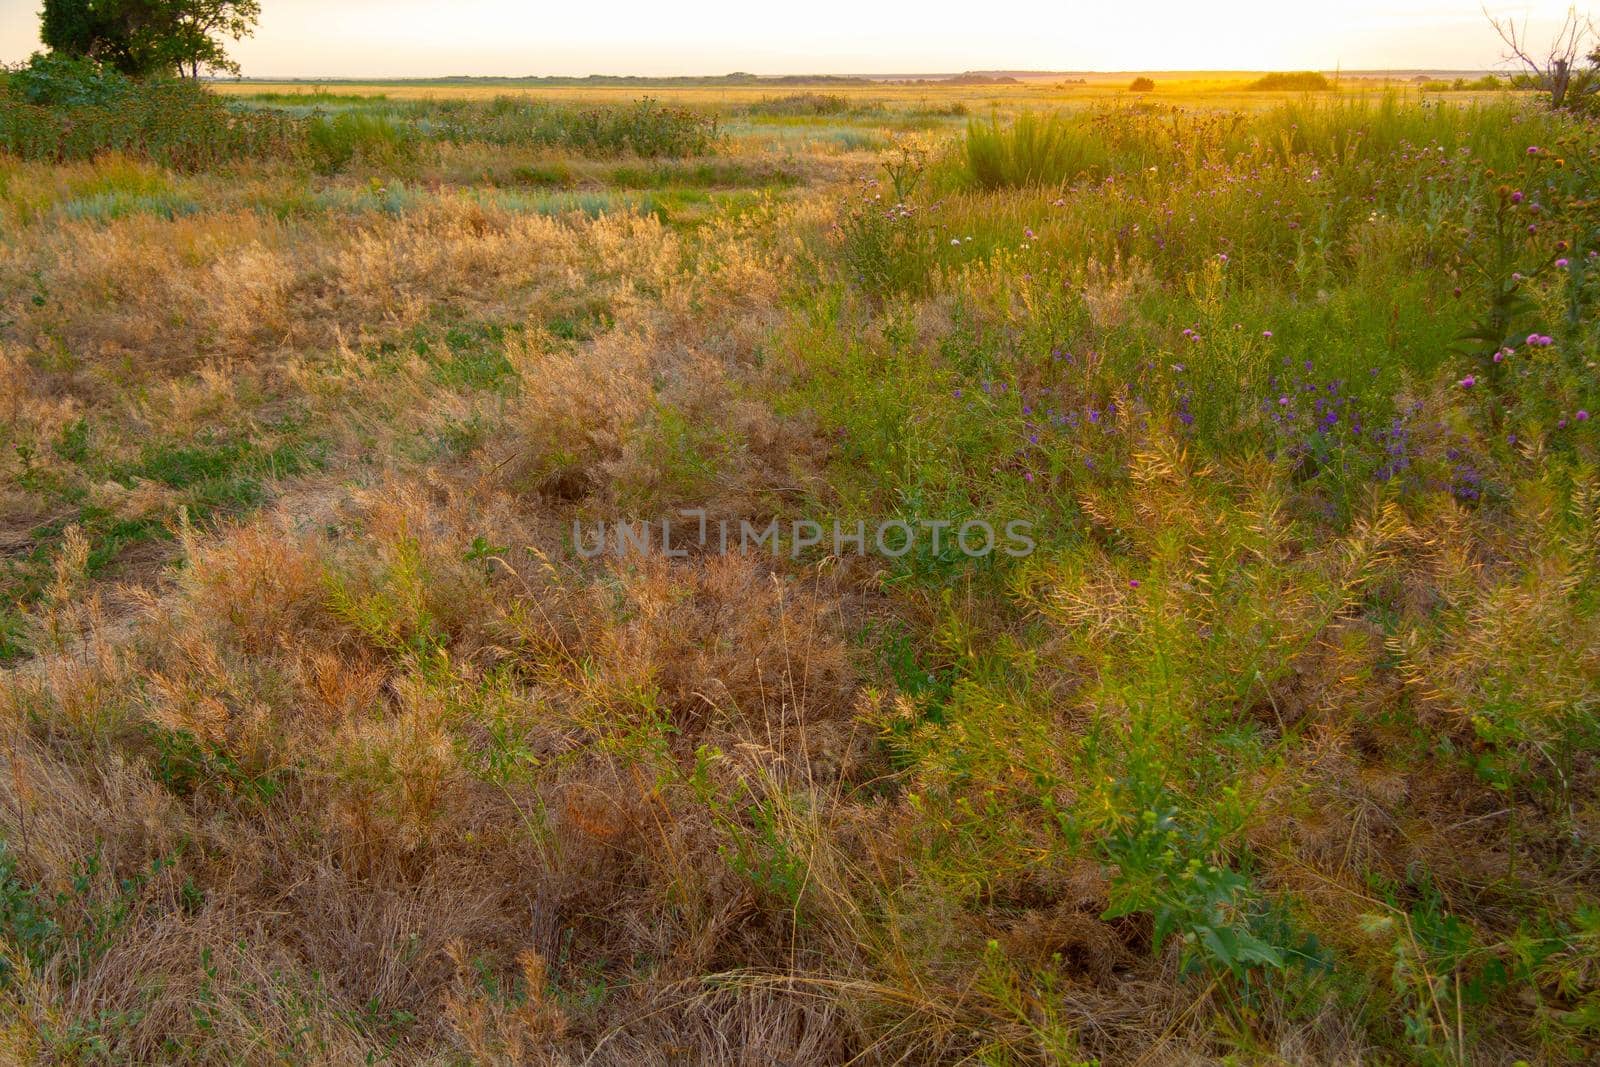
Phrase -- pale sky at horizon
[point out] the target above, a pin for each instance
(411, 38)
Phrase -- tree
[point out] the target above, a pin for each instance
(1554, 70)
(1142, 85)
(144, 38)
(197, 25)
(117, 33)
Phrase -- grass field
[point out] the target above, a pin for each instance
(326, 741)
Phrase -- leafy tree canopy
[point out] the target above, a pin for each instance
(145, 38)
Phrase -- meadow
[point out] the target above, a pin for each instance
(323, 744)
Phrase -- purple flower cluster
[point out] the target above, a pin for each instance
(1305, 409)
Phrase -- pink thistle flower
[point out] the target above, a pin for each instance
(1582, 415)
(1468, 382)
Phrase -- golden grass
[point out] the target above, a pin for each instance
(371, 768)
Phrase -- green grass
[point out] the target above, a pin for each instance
(104, 207)
(1200, 353)
(216, 476)
(1050, 149)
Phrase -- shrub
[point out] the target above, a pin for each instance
(801, 104)
(1142, 85)
(642, 128)
(53, 80)
(176, 124)
(1303, 81)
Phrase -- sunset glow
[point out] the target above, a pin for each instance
(373, 38)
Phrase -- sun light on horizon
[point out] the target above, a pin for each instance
(412, 38)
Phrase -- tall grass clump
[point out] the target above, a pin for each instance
(1034, 150)
(333, 142)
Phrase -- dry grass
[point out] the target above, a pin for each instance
(322, 746)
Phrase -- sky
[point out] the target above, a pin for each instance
(395, 38)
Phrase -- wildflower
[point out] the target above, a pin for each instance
(1283, 401)
(1222, 257)
(1533, 150)
(1516, 197)
(1267, 334)
(1133, 583)
(1468, 382)
(1562, 263)
(955, 240)
(1027, 232)
(1582, 415)
(958, 394)
(1499, 357)
(1028, 476)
